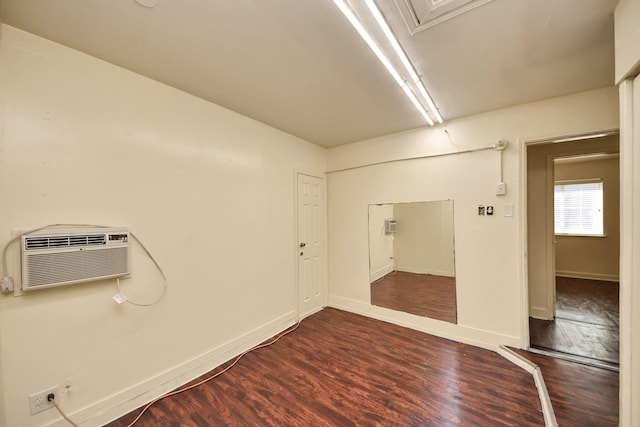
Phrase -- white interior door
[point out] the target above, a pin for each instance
(311, 245)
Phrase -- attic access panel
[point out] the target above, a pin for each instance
(422, 14)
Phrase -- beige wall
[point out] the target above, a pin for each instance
(424, 241)
(627, 39)
(66, 119)
(489, 252)
(593, 257)
(381, 244)
(209, 192)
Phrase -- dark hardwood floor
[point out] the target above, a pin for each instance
(587, 321)
(341, 369)
(588, 301)
(581, 395)
(421, 294)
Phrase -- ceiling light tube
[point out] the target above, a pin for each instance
(430, 102)
(417, 104)
(382, 23)
(351, 17)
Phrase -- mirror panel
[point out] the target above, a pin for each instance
(412, 258)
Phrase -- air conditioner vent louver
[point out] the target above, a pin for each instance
(64, 241)
(55, 257)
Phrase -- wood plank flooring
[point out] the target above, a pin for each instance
(588, 301)
(587, 321)
(341, 369)
(582, 396)
(420, 294)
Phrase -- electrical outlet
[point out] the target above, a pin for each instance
(6, 285)
(38, 402)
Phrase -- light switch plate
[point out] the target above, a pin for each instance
(508, 210)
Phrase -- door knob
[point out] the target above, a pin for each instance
(302, 245)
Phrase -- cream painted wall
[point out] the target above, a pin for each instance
(540, 199)
(627, 39)
(424, 241)
(381, 244)
(209, 192)
(593, 257)
(491, 285)
(3, 411)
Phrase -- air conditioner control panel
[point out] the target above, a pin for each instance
(118, 238)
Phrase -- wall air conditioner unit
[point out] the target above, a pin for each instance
(57, 257)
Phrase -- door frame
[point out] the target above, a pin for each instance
(629, 93)
(296, 249)
(526, 143)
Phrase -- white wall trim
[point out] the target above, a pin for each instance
(410, 269)
(311, 313)
(589, 276)
(524, 244)
(381, 272)
(126, 400)
(629, 230)
(464, 334)
(541, 313)
(543, 393)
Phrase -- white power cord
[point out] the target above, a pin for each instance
(216, 374)
(51, 399)
(155, 263)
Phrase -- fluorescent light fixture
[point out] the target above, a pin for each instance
(581, 137)
(417, 104)
(585, 157)
(382, 23)
(348, 13)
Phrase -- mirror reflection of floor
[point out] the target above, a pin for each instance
(420, 294)
(587, 321)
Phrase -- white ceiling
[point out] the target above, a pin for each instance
(298, 65)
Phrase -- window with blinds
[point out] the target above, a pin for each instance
(577, 208)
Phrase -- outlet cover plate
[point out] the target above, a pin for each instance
(38, 401)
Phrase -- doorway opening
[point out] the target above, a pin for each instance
(573, 248)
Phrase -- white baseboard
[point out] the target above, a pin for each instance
(460, 333)
(302, 316)
(543, 393)
(125, 401)
(381, 272)
(590, 276)
(410, 269)
(541, 313)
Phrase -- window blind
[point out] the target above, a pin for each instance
(578, 208)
